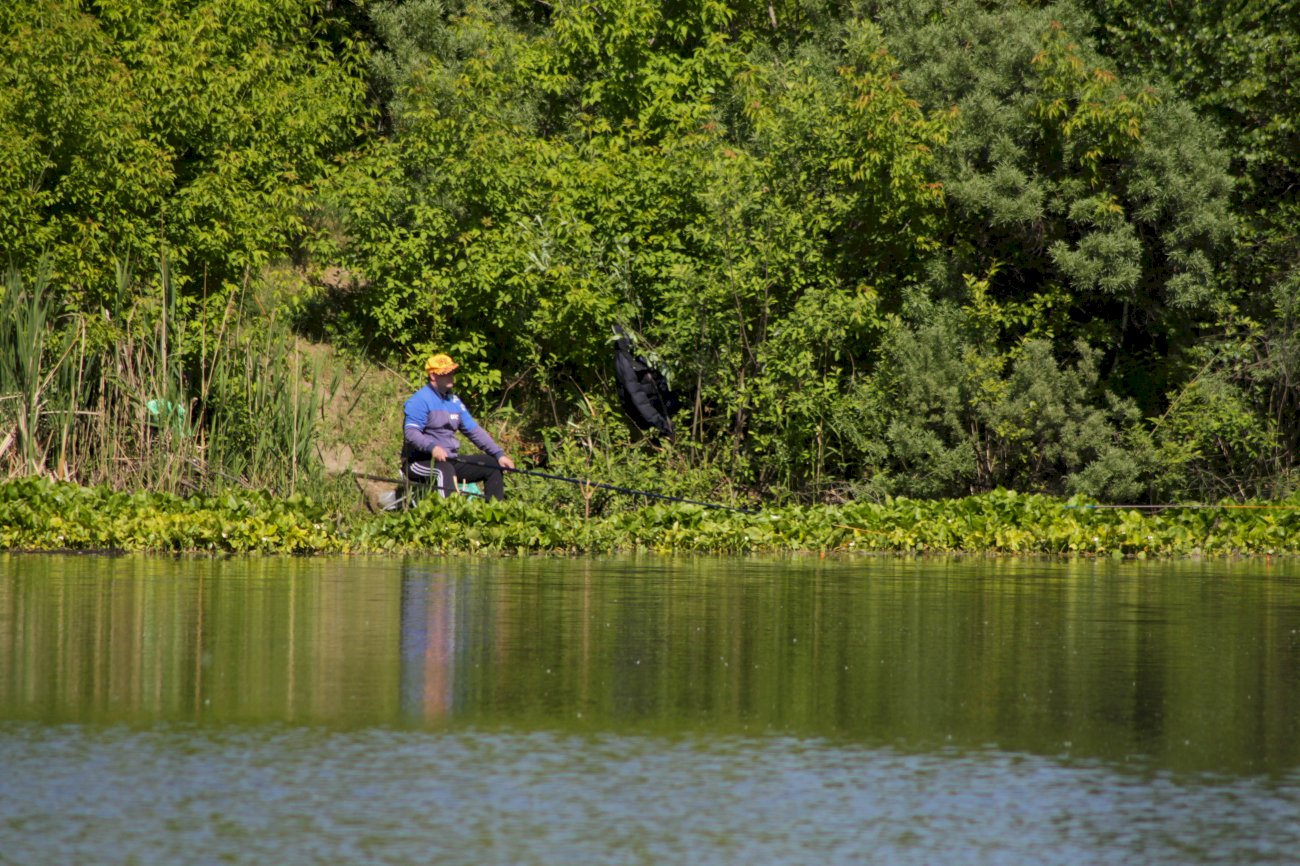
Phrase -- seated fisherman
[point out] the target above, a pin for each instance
(433, 415)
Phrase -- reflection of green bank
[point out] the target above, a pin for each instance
(1179, 666)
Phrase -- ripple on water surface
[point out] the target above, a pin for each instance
(183, 794)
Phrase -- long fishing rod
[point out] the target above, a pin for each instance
(582, 482)
(1188, 507)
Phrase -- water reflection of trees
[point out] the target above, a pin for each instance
(1092, 659)
(137, 639)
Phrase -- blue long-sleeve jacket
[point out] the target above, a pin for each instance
(432, 419)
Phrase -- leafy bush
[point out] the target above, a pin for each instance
(190, 130)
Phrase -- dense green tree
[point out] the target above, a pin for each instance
(80, 179)
(191, 127)
(1104, 198)
(1238, 63)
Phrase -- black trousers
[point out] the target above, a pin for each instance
(474, 467)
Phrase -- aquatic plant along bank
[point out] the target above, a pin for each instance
(37, 514)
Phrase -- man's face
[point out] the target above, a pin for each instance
(442, 382)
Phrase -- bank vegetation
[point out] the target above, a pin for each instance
(40, 515)
(887, 254)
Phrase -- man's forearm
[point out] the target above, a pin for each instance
(484, 442)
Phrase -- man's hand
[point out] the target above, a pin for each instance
(505, 462)
(439, 454)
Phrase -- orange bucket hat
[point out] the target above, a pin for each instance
(440, 364)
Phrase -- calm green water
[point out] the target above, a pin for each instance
(158, 711)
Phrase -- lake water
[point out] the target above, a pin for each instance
(646, 711)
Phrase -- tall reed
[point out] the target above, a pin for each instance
(264, 405)
(161, 394)
(24, 378)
